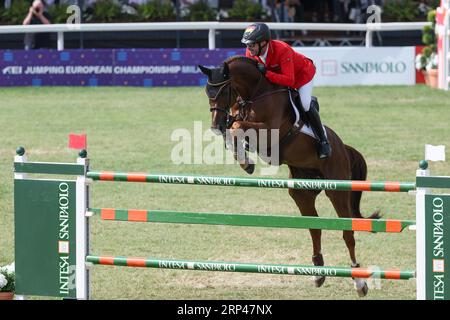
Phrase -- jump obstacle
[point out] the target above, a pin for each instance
(52, 256)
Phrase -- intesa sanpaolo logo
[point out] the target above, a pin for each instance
(371, 67)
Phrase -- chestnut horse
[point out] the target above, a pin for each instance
(240, 97)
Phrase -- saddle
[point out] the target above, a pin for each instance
(297, 104)
(301, 123)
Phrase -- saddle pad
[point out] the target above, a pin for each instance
(308, 131)
(305, 129)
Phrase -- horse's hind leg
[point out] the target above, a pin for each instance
(342, 205)
(305, 201)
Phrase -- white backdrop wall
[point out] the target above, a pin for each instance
(347, 66)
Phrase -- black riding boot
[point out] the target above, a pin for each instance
(324, 148)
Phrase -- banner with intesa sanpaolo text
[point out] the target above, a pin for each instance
(344, 66)
(336, 66)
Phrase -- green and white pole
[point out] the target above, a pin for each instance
(299, 184)
(280, 269)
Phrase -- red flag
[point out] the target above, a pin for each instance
(77, 141)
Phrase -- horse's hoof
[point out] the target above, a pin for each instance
(250, 168)
(318, 261)
(362, 289)
(318, 281)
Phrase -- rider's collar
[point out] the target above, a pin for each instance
(263, 57)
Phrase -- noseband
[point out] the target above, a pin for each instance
(222, 85)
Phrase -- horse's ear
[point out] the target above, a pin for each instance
(205, 70)
(226, 70)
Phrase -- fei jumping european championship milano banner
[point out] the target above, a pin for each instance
(109, 67)
(178, 67)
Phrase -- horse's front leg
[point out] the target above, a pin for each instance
(235, 138)
(241, 132)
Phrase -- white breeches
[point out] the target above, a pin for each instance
(306, 93)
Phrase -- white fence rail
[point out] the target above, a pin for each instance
(212, 27)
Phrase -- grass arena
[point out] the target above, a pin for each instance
(130, 129)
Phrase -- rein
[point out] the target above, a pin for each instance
(245, 103)
(265, 95)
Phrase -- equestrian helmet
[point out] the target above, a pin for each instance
(255, 33)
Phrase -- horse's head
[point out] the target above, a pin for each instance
(221, 96)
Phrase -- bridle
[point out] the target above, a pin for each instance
(243, 104)
(222, 85)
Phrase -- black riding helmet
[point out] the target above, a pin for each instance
(255, 33)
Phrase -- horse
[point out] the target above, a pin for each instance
(241, 98)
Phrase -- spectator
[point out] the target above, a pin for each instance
(359, 10)
(37, 14)
(365, 4)
(355, 14)
(423, 8)
(286, 12)
(294, 11)
(299, 12)
(323, 9)
(293, 6)
(345, 10)
(337, 10)
(282, 10)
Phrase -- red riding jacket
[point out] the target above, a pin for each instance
(285, 66)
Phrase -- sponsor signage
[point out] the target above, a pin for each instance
(336, 66)
(47, 266)
(437, 233)
(362, 66)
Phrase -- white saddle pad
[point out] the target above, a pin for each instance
(306, 129)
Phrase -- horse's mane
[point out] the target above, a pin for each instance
(241, 59)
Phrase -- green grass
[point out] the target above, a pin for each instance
(129, 129)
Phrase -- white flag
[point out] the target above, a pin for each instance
(434, 153)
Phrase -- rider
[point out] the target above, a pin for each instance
(284, 66)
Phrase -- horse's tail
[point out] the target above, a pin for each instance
(359, 172)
